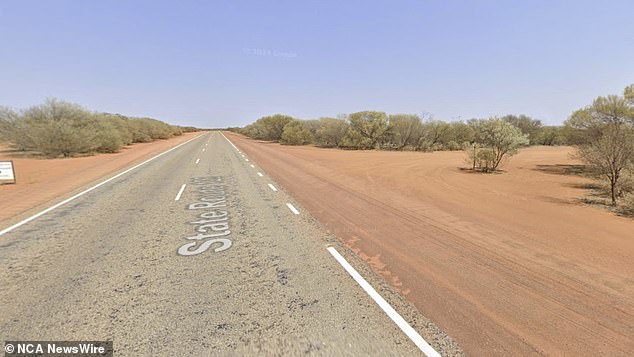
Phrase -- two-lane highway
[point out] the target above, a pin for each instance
(195, 251)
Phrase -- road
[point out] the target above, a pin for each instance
(197, 251)
(503, 279)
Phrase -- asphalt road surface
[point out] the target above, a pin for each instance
(195, 252)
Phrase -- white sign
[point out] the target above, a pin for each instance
(6, 171)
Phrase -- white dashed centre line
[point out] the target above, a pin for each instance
(260, 174)
(247, 160)
(204, 149)
(273, 188)
(180, 192)
(385, 306)
(197, 161)
(253, 166)
(292, 208)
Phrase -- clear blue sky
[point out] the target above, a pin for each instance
(219, 63)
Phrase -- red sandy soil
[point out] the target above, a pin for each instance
(39, 181)
(507, 264)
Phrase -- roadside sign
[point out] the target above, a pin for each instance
(7, 173)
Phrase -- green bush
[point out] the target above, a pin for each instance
(57, 128)
(405, 131)
(371, 126)
(109, 139)
(331, 132)
(354, 140)
(268, 128)
(296, 134)
(530, 127)
(377, 130)
(63, 137)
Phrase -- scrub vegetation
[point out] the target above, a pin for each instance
(57, 128)
(486, 142)
(602, 132)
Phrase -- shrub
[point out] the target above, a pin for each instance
(140, 131)
(59, 128)
(454, 146)
(626, 205)
(331, 132)
(626, 183)
(405, 131)
(369, 125)
(63, 137)
(8, 119)
(607, 127)
(529, 126)
(486, 160)
(551, 135)
(268, 128)
(296, 134)
(109, 139)
(500, 139)
(354, 140)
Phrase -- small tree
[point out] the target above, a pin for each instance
(370, 125)
(550, 135)
(405, 130)
(459, 133)
(296, 134)
(607, 129)
(610, 155)
(331, 132)
(502, 138)
(58, 128)
(273, 126)
(529, 126)
(434, 134)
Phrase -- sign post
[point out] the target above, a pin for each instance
(7, 172)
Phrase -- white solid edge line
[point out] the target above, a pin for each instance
(180, 192)
(25, 221)
(418, 340)
(273, 188)
(223, 135)
(292, 208)
(197, 161)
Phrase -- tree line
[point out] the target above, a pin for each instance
(487, 142)
(602, 132)
(58, 128)
(378, 130)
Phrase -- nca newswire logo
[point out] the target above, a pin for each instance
(57, 348)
